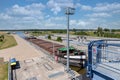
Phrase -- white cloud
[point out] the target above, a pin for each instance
(116, 24)
(17, 10)
(55, 23)
(83, 23)
(58, 19)
(36, 6)
(84, 7)
(33, 16)
(78, 5)
(22, 17)
(57, 5)
(34, 9)
(5, 16)
(107, 7)
(56, 9)
(116, 12)
(54, 26)
(93, 23)
(47, 16)
(101, 7)
(78, 24)
(99, 15)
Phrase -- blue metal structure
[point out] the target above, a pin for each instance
(105, 60)
(13, 62)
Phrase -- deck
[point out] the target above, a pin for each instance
(111, 70)
(41, 68)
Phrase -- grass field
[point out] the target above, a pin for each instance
(3, 70)
(9, 41)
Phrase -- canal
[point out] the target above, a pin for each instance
(77, 69)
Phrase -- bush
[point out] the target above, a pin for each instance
(59, 39)
(95, 32)
(1, 38)
(49, 36)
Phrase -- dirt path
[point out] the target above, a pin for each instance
(21, 52)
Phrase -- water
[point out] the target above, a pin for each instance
(20, 33)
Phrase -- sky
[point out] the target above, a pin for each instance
(50, 14)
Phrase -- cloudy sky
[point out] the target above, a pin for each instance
(49, 14)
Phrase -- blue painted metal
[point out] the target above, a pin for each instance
(99, 44)
(13, 60)
(103, 76)
(91, 44)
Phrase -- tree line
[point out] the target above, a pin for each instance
(107, 33)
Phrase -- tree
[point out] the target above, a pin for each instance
(100, 31)
(49, 36)
(106, 30)
(59, 39)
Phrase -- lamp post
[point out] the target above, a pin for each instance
(69, 11)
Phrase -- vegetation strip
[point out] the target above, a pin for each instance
(6, 41)
(3, 70)
(99, 32)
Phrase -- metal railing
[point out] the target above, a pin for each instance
(9, 71)
(104, 53)
(107, 56)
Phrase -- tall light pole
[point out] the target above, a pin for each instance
(69, 11)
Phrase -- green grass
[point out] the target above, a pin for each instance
(4, 71)
(91, 33)
(40, 33)
(9, 41)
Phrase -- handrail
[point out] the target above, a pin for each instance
(9, 71)
(100, 52)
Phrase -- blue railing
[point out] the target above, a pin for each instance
(106, 53)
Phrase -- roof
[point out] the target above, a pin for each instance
(65, 49)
